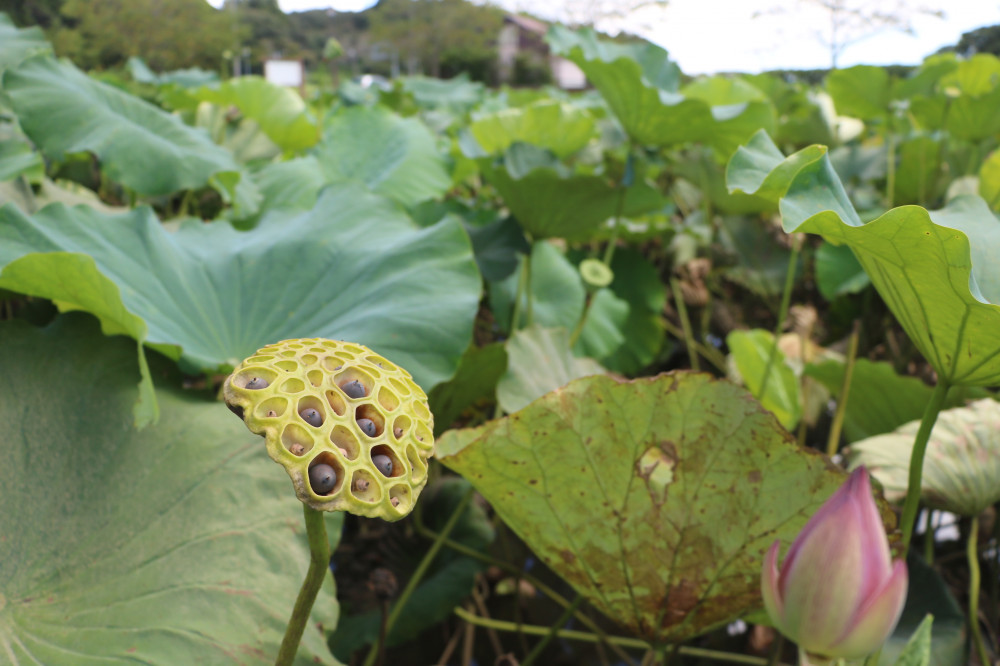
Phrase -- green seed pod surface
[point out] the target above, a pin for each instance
(285, 388)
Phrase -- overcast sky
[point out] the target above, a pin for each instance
(705, 36)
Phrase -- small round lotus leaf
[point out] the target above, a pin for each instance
(306, 372)
(962, 467)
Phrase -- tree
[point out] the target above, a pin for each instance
(167, 34)
(980, 40)
(423, 31)
(851, 21)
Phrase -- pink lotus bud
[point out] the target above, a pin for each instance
(838, 594)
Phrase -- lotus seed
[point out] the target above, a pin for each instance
(397, 432)
(361, 485)
(312, 417)
(383, 463)
(297, 449)
(395, 501)
(322, 478)
(354, 389)
(257, 383)
(367, 426)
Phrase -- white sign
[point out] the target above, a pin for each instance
(289, 73)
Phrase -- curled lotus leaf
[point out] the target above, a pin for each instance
(934, 269)
(962, 468)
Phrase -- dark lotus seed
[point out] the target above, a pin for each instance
(257, 383)
(322, 478)
(354, 389)
(383, 463)
(367, 426)
(312, 417)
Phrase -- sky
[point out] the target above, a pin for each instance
(707, 36)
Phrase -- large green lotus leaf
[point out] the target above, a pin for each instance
(978, 75)
(557, 294)
(290, 185)
(474, 382)
(974, 118)
(917, 174)
(561, 128)
(624, 328)
(353, 268)
(181, 544)
(603, 331)
(458, 93)
(750, 352)
(928, 594)
(16, 44)
(923, 81)
(539, 360)
(279, 111)
(761, 263)
(962, 472)
(192, 77)
(17, 157)
(861, 91)
(879, 399)
(838, 271)
(548, 204)
(935, 270)
(989, 180)
(140, 146)
(641, 86)
(394, 156)
(655, 498)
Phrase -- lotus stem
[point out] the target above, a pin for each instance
(972, 553)
(912, 503)
(689, 340)
(623, 641)
(319, 564)
(833, 442)
(418, 575)
(786, 299)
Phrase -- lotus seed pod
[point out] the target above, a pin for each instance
(352, 429)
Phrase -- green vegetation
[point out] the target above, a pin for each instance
(550, 267)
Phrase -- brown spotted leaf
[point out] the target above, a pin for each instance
(655, 498)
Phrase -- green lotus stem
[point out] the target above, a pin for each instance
(534, 581)
(929, 538)
(912, 502)
(786, 299)
(709, 353)
(689, 340)
(776, 648)
(536, 652)
(522, 285)
(623, 641)
(578, 329)
(319, 564)
(890, 181)
(972, 553)
(833, 442)
(609, 251)
(418, 575)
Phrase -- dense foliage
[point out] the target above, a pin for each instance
(548, 267)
